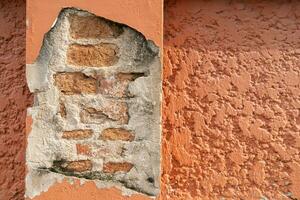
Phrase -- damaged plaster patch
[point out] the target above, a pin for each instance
(40, 181)
(110, 82)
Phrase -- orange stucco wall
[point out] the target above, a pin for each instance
(14, 99)
(86, 191)
(231, 85)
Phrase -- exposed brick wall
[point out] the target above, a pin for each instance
(97, 111)
(232, 99)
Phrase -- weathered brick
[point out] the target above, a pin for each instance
(93, 27)
(117, 85)
(99, 55)
(112, 111)
(74, 166)
(108, 151)
(116, 134)
(77, 134)
(117, 111)
(113, 167)
(83, 149)
(93, 116)
(71, 83)
(62, 109)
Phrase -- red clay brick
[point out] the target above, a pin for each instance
(112, 167)
(71, 83)
(92, 27)
(92, 55)
(78, 166)
(77, 134)
(83, 149)
(116, 134)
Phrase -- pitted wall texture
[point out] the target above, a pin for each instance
(96, 114)
(14, 98)
(231, 120)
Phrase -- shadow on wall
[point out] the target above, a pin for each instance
(14, 99)
(231, 107)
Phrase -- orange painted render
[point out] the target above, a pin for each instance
(143, 15)
(14, 99)
(231, 108)
(86, 191)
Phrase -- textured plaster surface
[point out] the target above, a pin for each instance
(14, 98)
(231, 120)
(143, 15)
(136, 55)
(85, 191)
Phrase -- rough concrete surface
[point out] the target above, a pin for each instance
(231, 111)
(14, 98)
(59, 132)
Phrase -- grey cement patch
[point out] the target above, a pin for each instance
(45, 143)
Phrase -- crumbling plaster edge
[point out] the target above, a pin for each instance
(48, 179)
